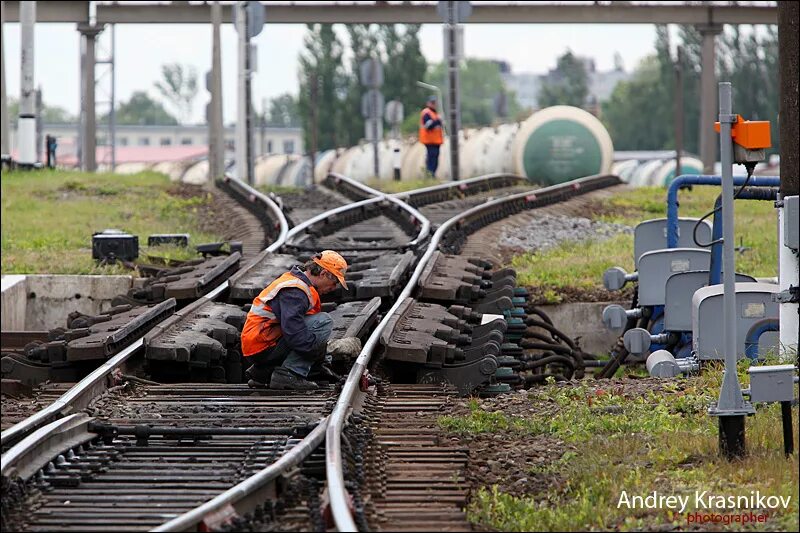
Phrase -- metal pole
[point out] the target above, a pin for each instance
(26, 131)
(248, 99)
(112, 113)
(241, 123)
(678, 111)
(731, 407)
(89, 133)
(454, 104)
(708, 86)
(375, 113)
(39, 112)
(788, 434)
(4, 130)
(216, 136)
(313, 94)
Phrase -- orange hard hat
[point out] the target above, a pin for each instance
(333, 263)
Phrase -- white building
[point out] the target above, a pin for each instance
(527, 85)
(267, 141)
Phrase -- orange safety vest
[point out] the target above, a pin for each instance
(262, 329)
(432, 136)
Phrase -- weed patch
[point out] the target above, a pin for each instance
(580, 265)
(49, 217)
(636, 436)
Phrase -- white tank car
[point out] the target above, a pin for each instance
(561, 143)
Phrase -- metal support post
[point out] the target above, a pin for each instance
(454, 103)
(788, 433)
(375, 116)
(112, 113)
(216, 136)
(89, 33)
(731, 407)
(313, 136)
(678, 111)
(5, 147)
(708, 95)
(26, 131)
(242, 110)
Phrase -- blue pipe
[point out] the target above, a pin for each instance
(754, 193)
(755, 332)
(700, 179)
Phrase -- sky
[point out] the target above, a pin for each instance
(141, 50)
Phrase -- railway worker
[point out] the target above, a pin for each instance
(285, 334)
(430, 134)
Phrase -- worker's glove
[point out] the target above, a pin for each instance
(348, 346)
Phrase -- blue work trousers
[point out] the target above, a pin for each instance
(320, 325)
(432, 159)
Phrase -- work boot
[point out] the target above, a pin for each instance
(259, 374)
(253, 384)
(285, 379)
(323, 374)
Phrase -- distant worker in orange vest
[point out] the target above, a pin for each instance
(430, 134)
(285, 336)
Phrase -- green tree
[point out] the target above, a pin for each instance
(749, 60)
(322, 87)
(639, 114)
(568, 84)
(179, 87)
(405, 66)
(364, 43)
(628, 113)
(480, 82)
(50, 114)
(283, 112)
(142, 110)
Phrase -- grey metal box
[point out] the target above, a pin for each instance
(678, 298)
(657, 266)
(791, 222)
(772, 383)
(753, 304)
(652, 235)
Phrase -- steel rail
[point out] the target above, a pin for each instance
(249, 493)
(26, 457)
(416, 216)
(333, 450)
(462, 185)
(79, 396)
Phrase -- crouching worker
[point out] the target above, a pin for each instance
(285, 336)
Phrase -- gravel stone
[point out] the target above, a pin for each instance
(548, 231)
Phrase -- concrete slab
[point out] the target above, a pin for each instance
(42, 302)
(12, 312)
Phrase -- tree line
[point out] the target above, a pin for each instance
(329, 101)
(640, 113)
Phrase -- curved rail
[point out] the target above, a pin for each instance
(246, 495)
(511, 205)
(432, 194)
(257, 197)
(97, 382)
(442, 192)
(415, 217)
(250, 490)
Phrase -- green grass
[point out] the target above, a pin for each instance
(49, 217)
(659, 441)
(581, 264)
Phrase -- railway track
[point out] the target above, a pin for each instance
(385, 251)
